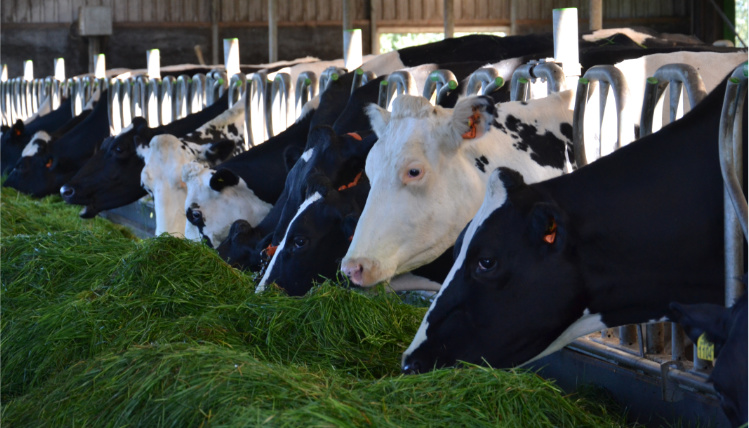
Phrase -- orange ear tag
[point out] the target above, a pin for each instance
(551, 232)
(271, 250)
(48, 164)
(354, 135)
(471, 134)
(17, 132)
(353, 183)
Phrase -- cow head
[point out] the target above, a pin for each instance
(240, 248)
(217, 198)
(111, 177)
(39, 170)
(726, 328)
(12, 142)
(162, 175)
(420, 183)
(496, 304)
(317, 237)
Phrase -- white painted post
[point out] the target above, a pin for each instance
(60, 69)
(4, 74)
(100, 66)
(565, 44)
(352, 49)
(449, 12)
(231, 56)
(153, 61)
(28, 70)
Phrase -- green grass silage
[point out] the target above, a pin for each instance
(101, 329)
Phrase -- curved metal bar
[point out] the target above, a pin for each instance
(481, 79)
(182, 96)
(607, 76)
(400, 82)
(153, 102)
(520, 83)
(279, 112)
(138, 106)
(198, 92)
(113, 107)
(730, 138)
(305, 89)
(554, 75)
(361, 77)
(439, 79)
(675, 75)
(382, 95)
(330, 74)
(256, 107)
(168, 100)
(237, 83)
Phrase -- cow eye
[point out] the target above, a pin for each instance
(118, 148)
(486, 265)
(300, 241)
(414, 172)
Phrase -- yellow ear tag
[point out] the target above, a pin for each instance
(705, 348)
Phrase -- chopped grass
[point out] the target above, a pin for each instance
(110, 331)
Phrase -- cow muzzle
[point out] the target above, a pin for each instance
(362, 271)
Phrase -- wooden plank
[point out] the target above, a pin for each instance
(243, 10)
(119, 11)
(226, 11)
(388, 10)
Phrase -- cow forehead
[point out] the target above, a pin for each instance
(407, 139)
(37, 142)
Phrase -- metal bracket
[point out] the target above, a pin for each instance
(676, 75)
(441, 82)
(398, 82)
(484, 81)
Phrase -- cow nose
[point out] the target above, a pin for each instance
(411, 366)
(354, 270)
(195, 216)
(67, 192)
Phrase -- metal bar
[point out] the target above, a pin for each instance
(674, 75)
(484, 81)
(306, 88)
(400, 82)
(449, 15)
(437, 81)
(168, 100)
(237, 83)
(182, 96)
(272, 30)
(329, 75)
(214, 31)
(382, 95)
(596, 15)
(279, 112)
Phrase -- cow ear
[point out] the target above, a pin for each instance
(291, 156)
(239, 228)
(472, 118)
(4, 128)
(219, 151)
(318, 183)
(18, 128)
(319, 135)
(702, 318)
(378, 118)
(547, 227)
(139, 124)
(223, 178)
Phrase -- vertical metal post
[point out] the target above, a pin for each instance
(596, 15)
(214, 31)
(513, 17)
(231, 56)
(449, 14)
(94, 48)
(272, 30)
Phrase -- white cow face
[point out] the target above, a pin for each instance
(418, 184)
(162, 178)
(429, 169)
(216, 199)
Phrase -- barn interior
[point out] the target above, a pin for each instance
(655, 383)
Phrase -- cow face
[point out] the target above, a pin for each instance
(216, 199)
(111, 177)
(37, 172)
(12, 143)
(317, 237)
(497, 304)
(162, 177)
(239, 249)
(726, 328)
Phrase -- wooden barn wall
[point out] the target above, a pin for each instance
(389, 12)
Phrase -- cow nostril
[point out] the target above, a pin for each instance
(67, 192)
(412, 367)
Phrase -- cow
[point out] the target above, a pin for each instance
(317, 235)
(612, 243)
(726, 329)
(15, 138)
(439, 160)
(43, 170)
(111, 177)
(165, 155)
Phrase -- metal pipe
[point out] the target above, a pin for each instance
(198, 92)
(382, 95)
(306, 89)
(484, 81)
(168, 100)
(272, 30)
(596, 15)
(449, 14)
(437, 80)
(329, 75)
(279, 112)
(674, 75)
(182, 96)
(256, 107)
(400, 82)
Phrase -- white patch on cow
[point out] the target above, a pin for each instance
(636, 36)
(496, 196)
(407, 224)
(588, 323)
(221, 209)
(311, 105)
(221, 124)
(33, 146)
(309, 201)
(411, 282)
(308, 154)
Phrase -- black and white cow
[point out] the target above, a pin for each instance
(726, 329)
(165, 156)
(111, 177)
(15, 138)
(430, 167)
(317, 236)
(43, 169)
(612, 243)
